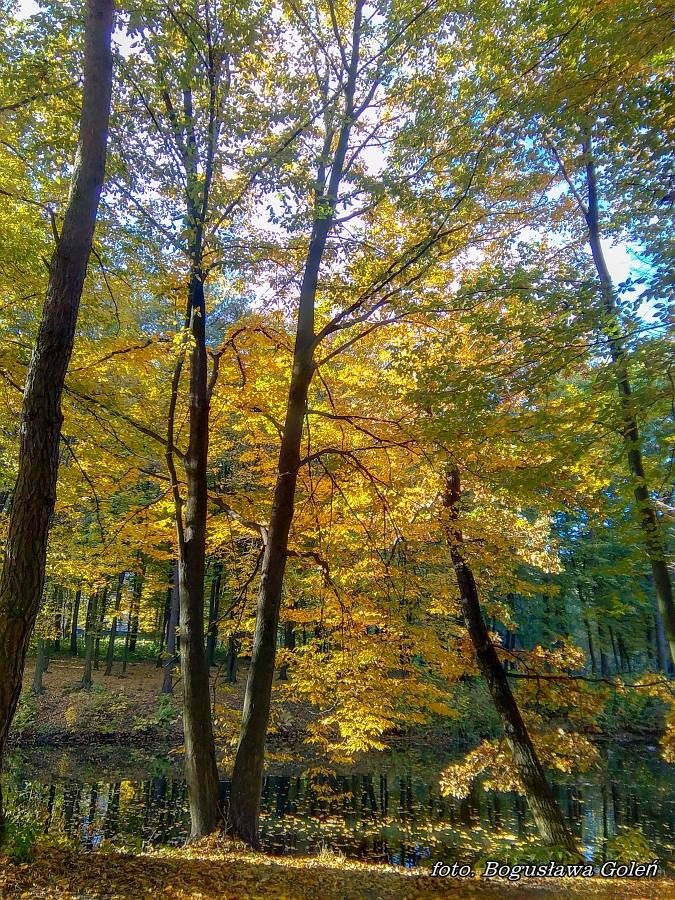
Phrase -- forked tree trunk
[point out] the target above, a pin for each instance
(542, 803)
(34, 494)
(646, 514)
(247, 774)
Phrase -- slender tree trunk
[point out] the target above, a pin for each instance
(135, 611)
(74, 622)
(166, 616)
(289, 644)
(89, 638)
(170, 652)
(232, 658)
(214, 609)
(110, 656)
(34, 495)
(545, 810)
(662, 655)
(249, 761)
(40, 666)
(646, 514)
(102, 610)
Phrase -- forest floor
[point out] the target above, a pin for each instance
(129, 710)
(226, 872)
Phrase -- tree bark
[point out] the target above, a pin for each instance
(545, 810)
(646, 514)
(34, 494)
(74, 622)
(101, 609)
(134, 612)
(247, 774)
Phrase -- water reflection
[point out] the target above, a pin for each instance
(395, 815)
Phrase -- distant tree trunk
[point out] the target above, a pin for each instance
(232, 658)
(40, 666)
(289, 644)
(662, 655)
(645, 512)
(214, 609)
(166, 616)
(74, 622)
(102, 610)
(58, 619)
(604, 662)
(170, 653)
(591, 652)
(34, 495)
(89, 638)
(247, 774)
(110, 656)
(545, 810)
(135, 610)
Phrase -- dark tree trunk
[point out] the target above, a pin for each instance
(74, 622)
(34, 494)
(545, 810)
(214, 609)
(232, 658)
(169, 661)
(591, 652)
(646, 515)
(247, 774)
(110, 656)
(40, 666)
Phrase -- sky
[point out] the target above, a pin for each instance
(620, 261)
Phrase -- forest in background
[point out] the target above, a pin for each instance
(353, 385)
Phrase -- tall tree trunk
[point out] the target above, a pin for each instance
(110, 656)
(545, 810)
(247, 774)
(74, 622)
(214, 609)
(646, 514)
(34, 495)
(166, 616)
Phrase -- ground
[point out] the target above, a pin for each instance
(230, 873)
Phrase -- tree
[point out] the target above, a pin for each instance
(34, 495)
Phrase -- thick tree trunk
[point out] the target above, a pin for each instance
(545, 810)
(247, 774)
(646, 514)
(74, 622)
(110, 655)
(34, 494)
(214, 609)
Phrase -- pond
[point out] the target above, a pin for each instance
(391, 812)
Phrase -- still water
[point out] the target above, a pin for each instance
(391, 812)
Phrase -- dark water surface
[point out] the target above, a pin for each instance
(393, 812)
